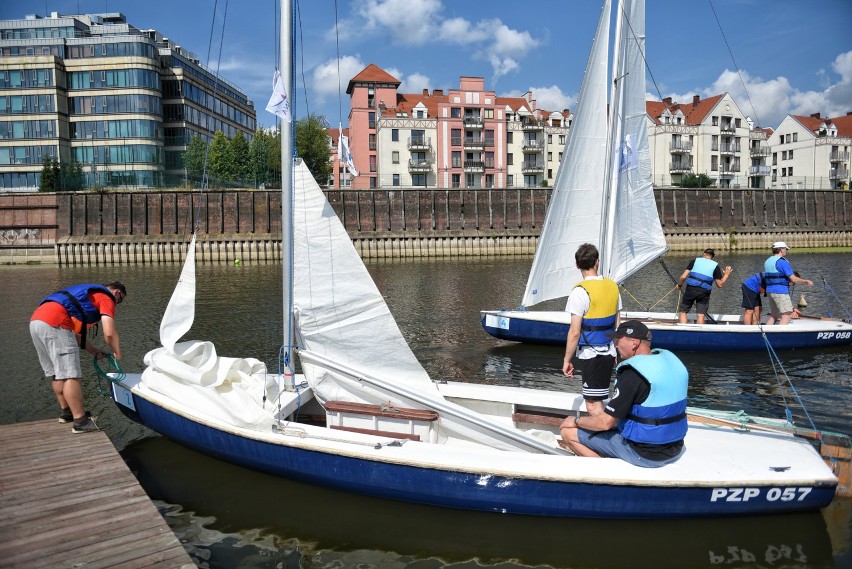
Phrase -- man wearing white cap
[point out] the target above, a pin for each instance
(779, 275)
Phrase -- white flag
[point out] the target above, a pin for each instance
(278, 104)
(344, 155)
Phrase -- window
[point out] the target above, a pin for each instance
(456, 159)
(372, 182)
(549, 173)
(550, 139)
(510, 181)
(550, 156)
(562, 139)
(373, 163)
(456, 180)
(489, 180)
(418, 179)
(396, 179)
(715, 121)
(509, 137)
(737, 122)
(795, 137)
(714, 163)
(509, 159)
(787, 138)
(395, 134)
(455, 112)
(790, 171)
(488, 113)
(372, 118)
(456, 136)
(395, 156)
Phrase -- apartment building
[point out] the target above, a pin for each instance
(123, 102)
(811, 152)
(464, 138)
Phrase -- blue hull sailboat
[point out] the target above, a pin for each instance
(362, 415)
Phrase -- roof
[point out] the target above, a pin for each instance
(372, 74)
(695, 112)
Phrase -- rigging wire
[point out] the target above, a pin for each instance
(739, 73)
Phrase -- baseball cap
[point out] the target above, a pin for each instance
(780, 245)
(631, 329)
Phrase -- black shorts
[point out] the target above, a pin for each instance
(695, 295)
(751, 299)
(597, 375)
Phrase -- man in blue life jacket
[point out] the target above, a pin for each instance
(593, 303)
(58, 329)
(699, 276)
(779, 277)
(752, 288)
(645, 421)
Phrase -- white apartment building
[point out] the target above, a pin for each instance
(811, 152)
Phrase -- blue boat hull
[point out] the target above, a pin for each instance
(712, 338)
(464, 490)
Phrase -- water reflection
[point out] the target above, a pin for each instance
(237, 517)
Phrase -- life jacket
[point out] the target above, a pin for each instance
(702, 273)
(776, 281)
(661, 418)
(75, 301)
(602, 313)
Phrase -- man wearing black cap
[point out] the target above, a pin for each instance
(699, 276)
(645, 421)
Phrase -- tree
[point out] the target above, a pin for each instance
(273, 159)
(258, 158)
(312, 146)
(48, 180)
(217, 157)
(238, 158)
(193, 157)
(71, 174)
(696, 181)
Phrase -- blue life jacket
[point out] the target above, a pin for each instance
(755, 282)
(661, 418)
(776, 281)
(603, 309)
(75, 300)
(702, 273)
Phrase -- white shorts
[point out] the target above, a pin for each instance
(57, 349)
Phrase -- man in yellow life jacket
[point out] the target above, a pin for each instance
(699, 276)
(594, 304)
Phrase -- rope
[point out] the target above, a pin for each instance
(665, 296)
(117, 374)
(827, 287)
(636, 300)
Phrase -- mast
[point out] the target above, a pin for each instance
(286, 66)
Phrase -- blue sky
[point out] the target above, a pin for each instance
(795, 57)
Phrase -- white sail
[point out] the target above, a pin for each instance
(634, 236)
(339, 311)
(574, 215)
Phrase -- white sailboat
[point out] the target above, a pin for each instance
(603, 195)
(364, 416)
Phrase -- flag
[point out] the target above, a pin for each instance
(278, 104)
(344, 155)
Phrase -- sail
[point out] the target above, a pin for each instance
(634, 236)
(574, 215)
(339, 311)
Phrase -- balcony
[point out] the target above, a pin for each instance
(727, 128)
(680, 167)
(680, 147)
(474, 166)
(532, 146)
(759, 170)
(531, 125)
(760, 150)
(532, 168)
(839, 157)
(419, 165)
(838, 174)
(474, 143)
(473, 122)
(729, 148)
(729, 169)
(419, 143)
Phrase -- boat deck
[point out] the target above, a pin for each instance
(70, 500)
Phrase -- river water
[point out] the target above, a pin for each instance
(228, 516)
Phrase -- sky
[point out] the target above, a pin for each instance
(776, 57)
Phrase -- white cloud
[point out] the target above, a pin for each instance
(548, 98)
(326, 83)
(409, 22)
(414, 83)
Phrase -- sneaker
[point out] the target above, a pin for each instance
(67, 417)
(87, 426)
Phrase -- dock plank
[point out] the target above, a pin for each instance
(69, 500)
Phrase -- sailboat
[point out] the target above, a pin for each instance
(603, 195)
(360, 413)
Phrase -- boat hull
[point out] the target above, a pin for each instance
(467, 490)
(551, 328)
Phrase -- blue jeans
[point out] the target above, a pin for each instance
(611, 444)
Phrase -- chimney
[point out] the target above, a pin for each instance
(437, 92)
(695, 100)
(668, 101)
(815, 116)
(425, 92)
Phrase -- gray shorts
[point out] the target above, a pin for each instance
(780, 303)
(57, 349)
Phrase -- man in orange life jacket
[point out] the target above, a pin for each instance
(594, 304)
(58, 329)
(699, 276)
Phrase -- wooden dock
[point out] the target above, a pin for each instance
(69, 500)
